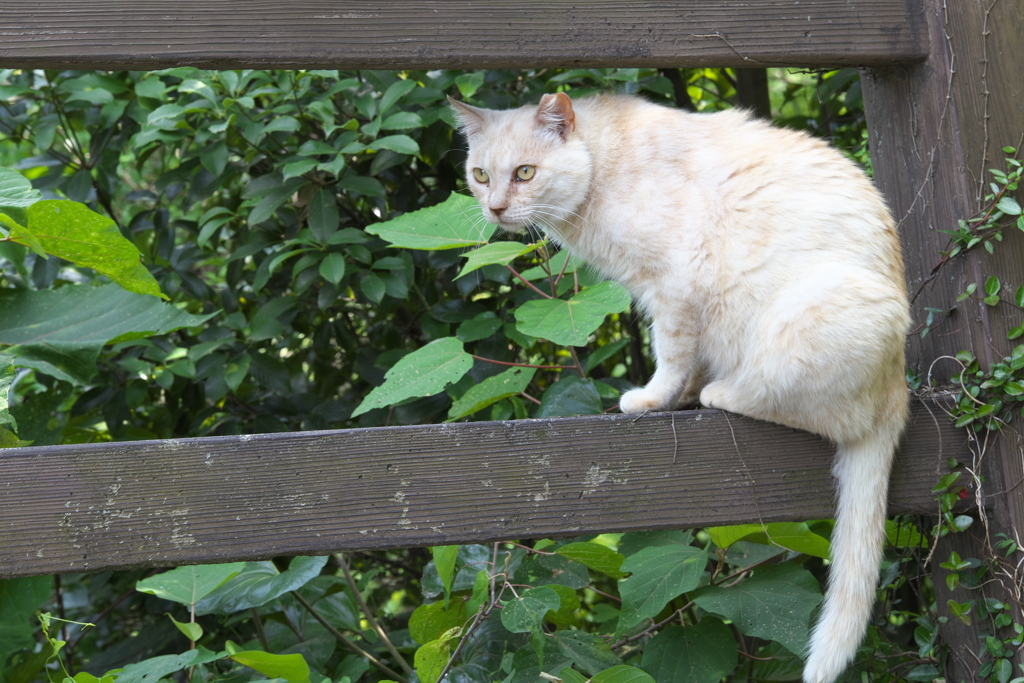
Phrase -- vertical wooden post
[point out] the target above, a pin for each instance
(935, 129)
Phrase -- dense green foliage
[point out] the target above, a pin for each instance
(264, 204)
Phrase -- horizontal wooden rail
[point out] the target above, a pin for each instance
(354, 34)
(217, 499)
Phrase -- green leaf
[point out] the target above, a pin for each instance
(323, 215)
(373, 287)
(423, 372)
(292, 668)
(258, 583)
(479, 327)
(904, 535)
(525, 613)
(595, 556)
(402, 120)
(75, 233)
(16, 190)
(215, 157)
(795, 536)
(469, 83)
(188, 585)
(428, 622)
(702, 653)
(992, 286)
(332, 268)
(403, 144)
(1009, 206)
(659, 575)
(570, 323)
(395, 92)
(155, 668)
(589, 651)
(19, 600)
(452, 223)
(572, 395)
(493, 389)
(444, 560)
(501, 253)
(60, 332)
(7, 373)
(569, 675)
(622, 674)
(430, 659)
(191, 630)
(298, 168)
(775, 603)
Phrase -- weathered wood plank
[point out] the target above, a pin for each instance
(935, 128)
(151, 34)
(157, 503)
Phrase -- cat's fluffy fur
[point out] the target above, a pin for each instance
(769, 266)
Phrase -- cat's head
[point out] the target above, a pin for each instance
(526, 166)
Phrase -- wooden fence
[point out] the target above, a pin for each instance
(943, 90)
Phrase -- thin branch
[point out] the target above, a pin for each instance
(527, 282)
(369, 616)
(340, 637)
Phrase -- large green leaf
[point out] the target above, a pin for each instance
(16, 195)
(455, 222)
(572, 395)
(292, 668)
(659, 575)
(428, 622)
(258, 583)
(155, 668)
(61, 332)
(775, 603)
(19, 599)
(702, 653)
(78, 234)
(423, 372)
(511, 382)
(496, 253)
(789, 535)
(589, 651)
(595, 556)
(622, 674)
(525, 613)
(571, 322)
(188, 585)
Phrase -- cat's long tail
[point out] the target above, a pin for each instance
(862, 473)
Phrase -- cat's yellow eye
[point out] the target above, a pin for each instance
(481, 175)
(526, 172)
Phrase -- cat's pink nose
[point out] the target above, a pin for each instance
(498, 210)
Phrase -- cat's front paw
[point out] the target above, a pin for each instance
(642, 400)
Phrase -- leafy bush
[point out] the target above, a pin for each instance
(274, 210)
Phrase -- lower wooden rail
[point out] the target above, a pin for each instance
(218, 499)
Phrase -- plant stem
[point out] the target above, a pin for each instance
(369, 616)
(340, 637)
(527, 282)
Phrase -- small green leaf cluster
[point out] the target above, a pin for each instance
(1000, 211)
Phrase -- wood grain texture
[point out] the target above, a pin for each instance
(223, 34)
(217, 499)
(935, 129)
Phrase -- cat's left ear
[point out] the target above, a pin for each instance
(555, 115)
(471, 118)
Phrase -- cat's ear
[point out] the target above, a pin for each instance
(471, 119)
(555, 115)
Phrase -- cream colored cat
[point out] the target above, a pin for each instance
(770, 269)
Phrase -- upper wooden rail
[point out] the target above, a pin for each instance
(354, 34)
(217, 499)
